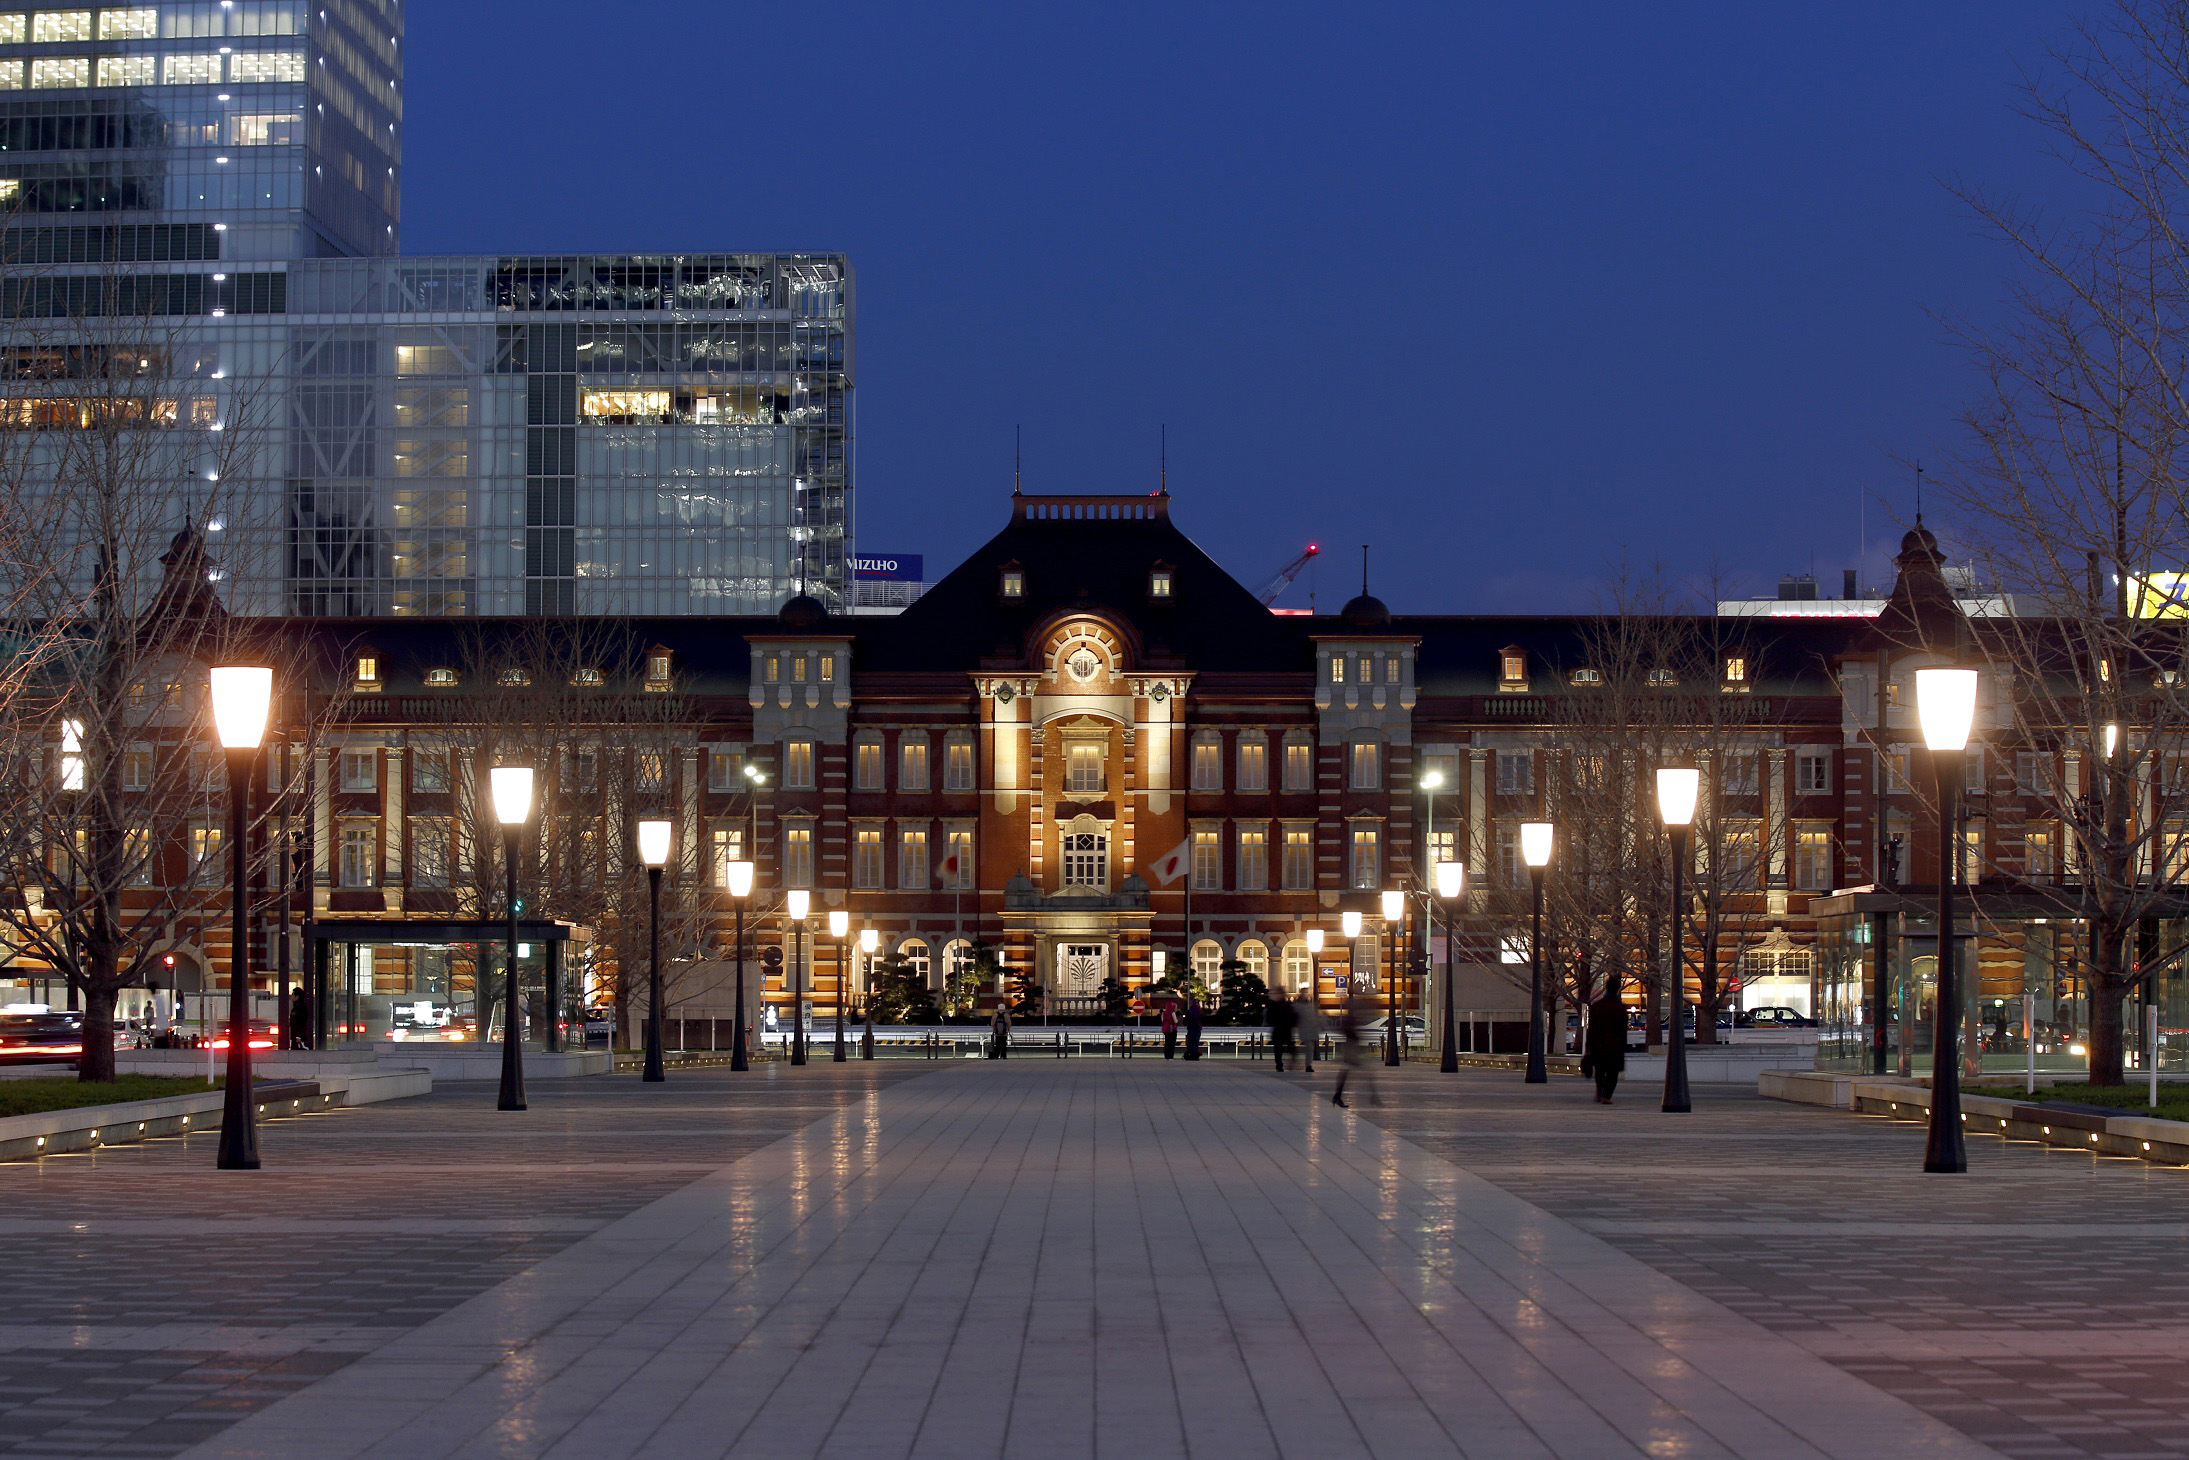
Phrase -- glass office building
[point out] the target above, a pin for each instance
(486, 435)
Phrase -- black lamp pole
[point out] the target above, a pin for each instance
(843, 955)
(798, 997)
(1943, 1149)
(1676, 1101)
(738, 1060)
(1391, 997)
(1449, 1064)
(512, 1092)
(866, 1008)
(1537, 1074)
(654, 1074)
(238, 1111)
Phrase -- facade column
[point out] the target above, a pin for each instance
(391, 829)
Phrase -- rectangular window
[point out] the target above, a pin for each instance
(1391, 669)
(722, 770)
(912, 763)
(1367, 764)
(137, 23)
(957, 769)
(245, 67)
(14, 28)
(1208, 862)
(359, 865)
(429, 770)
(798, 765)
(1443, 847)
(1337, 669)
(1299, 868)
(798, 669)
(125, 71)
(1515, 773)
(431, 843)
(1299, 766)
(1740, 863)
(205, 842)
(189, 70)
(772, 669)
(1208, 764)
(137, 856)
(866, 766)
(1511, 872)
(957, 863)
(1975, 779)
(11, 79)
(1086, 858)
(51, 27)
(650, 772)
(581, 769)
(60, 72)
(1367, 858)
(137, 768)
(725, 844)
(866, 857)
(913, 872)
(1972, 856)
(1083, 767)
(2040, 853)
(1253, 763)
(1813, 857)
(1253, 860)
(798, 856)
(1896, 770)
(2033, 773)
(1812, 773)
(360, 771)
(1738, 775)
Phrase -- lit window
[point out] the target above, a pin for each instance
(1208, 861)
(1253, 763)
(360, 770)
(245, 67)
(268, 129)
(1299, 766)
(912, 764)
(771, 669)
(1736, 669)
(1083, 768)
(798, 856)
(957, 771)
(1208, 764)
(1367, 762)
(11, 79)
(360, 854)
(72, 755)
(866, 857)
(1086, 858)
(205, 852)
(58, 72)
(1585, 677)
(1337, 669)
(726, 844)
(2039, 853)
(14, 28)
(1663, 679)
(828, 668)
(624, 407)
(798, 669)
(1253, 860)
(1299, 968)
(1013, 584)
(1367, 860)
(650, 772)
(1813, 858)
(441, 678)
(957, 861)
(137, 23)
(1513, 666)
(1391, 669)
(587, 678)
(798, 765)
(51, 27)
(1159, 583)
(513, 678)
(913, 872)
(430, 845)
(657, 670)
(125, 71)
(866, 765)
(368, 669)
(189, 70)
(1299, 867)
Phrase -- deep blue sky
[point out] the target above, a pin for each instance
(1510, 292)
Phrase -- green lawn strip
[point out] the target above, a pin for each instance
(2173, 1099)
(33, 1097)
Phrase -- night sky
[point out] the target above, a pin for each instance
(1510, 292)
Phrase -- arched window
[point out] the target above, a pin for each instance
(914, 953)
(1254, 953)
(957, 959)
(1299, 969)
(1086, 859)
(1208, 959)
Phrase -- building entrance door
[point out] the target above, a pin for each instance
(1080, 969)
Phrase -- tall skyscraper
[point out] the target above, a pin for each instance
(488, 435)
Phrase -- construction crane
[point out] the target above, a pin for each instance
(1285, 575)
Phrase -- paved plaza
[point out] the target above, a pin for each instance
(1090, 1257)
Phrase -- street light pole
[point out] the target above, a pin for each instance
(797, 903)
(869, 940)
(839, 928)
(1945, 701)
(1535, 850)
(1678, 787)
(1451, 879)
(1394, 913)
(242, 699)
(511, 788)
(740, 874)
(653, 850)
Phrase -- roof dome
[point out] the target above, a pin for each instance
(1365, 612)
(803, 612)
(1919, 540)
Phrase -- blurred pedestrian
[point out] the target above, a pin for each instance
(1604, 1051)
(1309, 1021)
(1351, 1049)
(999, 1028)
(1193, 1028)
(1170, 1029)
(1283, 1021)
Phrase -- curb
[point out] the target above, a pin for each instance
(90, 1127)
(2138, 1137)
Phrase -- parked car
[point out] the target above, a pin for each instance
(1411, 1030)
(261, 1034)
(1773, 1016)
(32, 1038)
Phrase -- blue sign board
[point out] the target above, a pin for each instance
(892, 567)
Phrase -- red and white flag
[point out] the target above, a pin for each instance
(950, 868)
(1171, 866)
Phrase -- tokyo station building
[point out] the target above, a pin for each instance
(1088, 743)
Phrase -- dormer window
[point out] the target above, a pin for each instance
(657, 671)
(365, 678)
(513, 678)
(441, 678)
(1585, 678)
(1011, 583)
(1512, 669)
(1663, 679)
(1337, 669)
(587, 677)
(1159, 581)
(1736, 674)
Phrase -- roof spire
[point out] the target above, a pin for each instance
(1364, 570)
(1163, 460)
(1919, 494)
(1016, 459)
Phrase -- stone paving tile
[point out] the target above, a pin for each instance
(365, 1226)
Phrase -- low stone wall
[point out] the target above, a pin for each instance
(1707, 1064)
(484, 1061)
(51, 1132)
(2146, 1138)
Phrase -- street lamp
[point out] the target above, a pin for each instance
(839, 928)
(1945, 701)
(740, 875)
(1535, 850)
(653, 850)
(242, 698)
(511, 790)
(1394, 908)
(869, 940)
(1451, 880)
(797, 903)
(1677, 789)
(1349, 924)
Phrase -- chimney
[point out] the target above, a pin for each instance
(1847, 588)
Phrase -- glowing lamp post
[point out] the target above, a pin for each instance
(740, 879)
(1677, 789)
(1535, 850)
(839, 928)
(242, 699)
(797, 903)
(1394, 909)
(510, 788)
(653, 850)
(1945, 701)
(1451, 880)
(1349, 924)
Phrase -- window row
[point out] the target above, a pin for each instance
(142, 22)
(914, 773)
(50, 73)
(1250, 762)
(909, 861)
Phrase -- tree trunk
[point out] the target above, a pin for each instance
(97, 1063)
(1653, 1022)
(2108, 982)
(1706, 1000)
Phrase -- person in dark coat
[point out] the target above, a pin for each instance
(1193, 1029)
(1170, 1029)
(300, 1018)
(1283, 1020)
(1605, 1054)
(999, 1028)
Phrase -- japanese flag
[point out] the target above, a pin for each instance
(949, 869)
(1171, 866)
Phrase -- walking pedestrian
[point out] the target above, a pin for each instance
(999, 1027)
(1309, 1020)
(1193, 1029)
(1604, 1054)
(1170, 1029)
(1282, 1022)
(1350, 1048)
(300, 1019)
